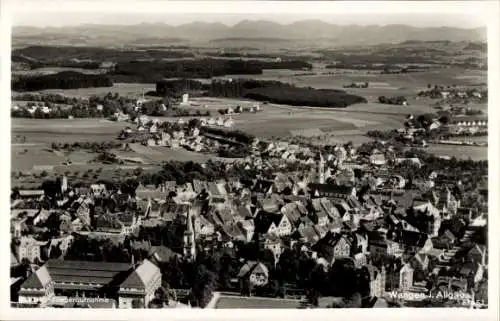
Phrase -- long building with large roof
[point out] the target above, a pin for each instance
(66, 279)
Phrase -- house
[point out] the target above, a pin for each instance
(18, 225)
(406, 277)
(434, 125)
(332, 247)
(162, 255)
(478, 253)
(293, 211)
(140, 286)
(228, 122)
(414, 242)
(98, 189)
(203, 227)
(38, 288)
(217, 192)
(248, 228)
(378, 159)
(273, 244)
(377, 280)
(31, 194)
(411, 160)
(420, 262)
(254, 272)
(469, 121)
(29, 249)
(306, 234)
(320, 214)
(445, 241)
(64, 279)
(271, 223)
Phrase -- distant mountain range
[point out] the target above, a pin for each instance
(218, 34)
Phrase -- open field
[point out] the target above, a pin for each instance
(129, 90)
(46, 131)
(380, 84)
(36, 155)
(460, 152)
(338, 125)
(234, 302)
(54, 70)
(282, 120)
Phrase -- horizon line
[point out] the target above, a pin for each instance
(231, 25)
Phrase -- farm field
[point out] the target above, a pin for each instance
(460, 152)
(65, 130)
(124, 89)
(54, 70)
(396, 83)
(36, 155)
(233, 302)
(336, 125)
(283, 120)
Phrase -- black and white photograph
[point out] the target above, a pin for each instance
(213, 159)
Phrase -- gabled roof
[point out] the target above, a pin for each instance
(252, 267)
(292, 212)
(234, 232)
(224, 215)
(199, 186)
(331, 188)
(326, 246)
(141, 276)
(410, 238)
(140, 245)
(98, 273)
(263, 221)
(245, 212)
(38, 280)
(406, 199)
(269, 204)
(13, 260)
(162, 253)
(262, 186)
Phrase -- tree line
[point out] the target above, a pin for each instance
(148, 71)
(282, 93)
(61, 80)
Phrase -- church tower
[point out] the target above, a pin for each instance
(320, 162)
(189, 238)
(64, 184)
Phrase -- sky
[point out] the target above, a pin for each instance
(56, 19)
(417, 13)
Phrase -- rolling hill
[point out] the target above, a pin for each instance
(307, 32)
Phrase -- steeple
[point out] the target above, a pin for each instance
(64, 184)
(189, 238)
(320, 170)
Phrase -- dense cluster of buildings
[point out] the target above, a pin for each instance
(414, 236)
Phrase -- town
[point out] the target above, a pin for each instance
(215, 175)
(286, 221)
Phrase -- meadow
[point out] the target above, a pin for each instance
(233, 302)
(123, 89)
(335, 125)
(460, 152)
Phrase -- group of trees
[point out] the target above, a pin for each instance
(234, 151)
(89, 57)
(397, 100)
(236, 135)
(95, 106)
(282, 93)
(148, 71)
(178, 87)
(90, 146)
(61, 80)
